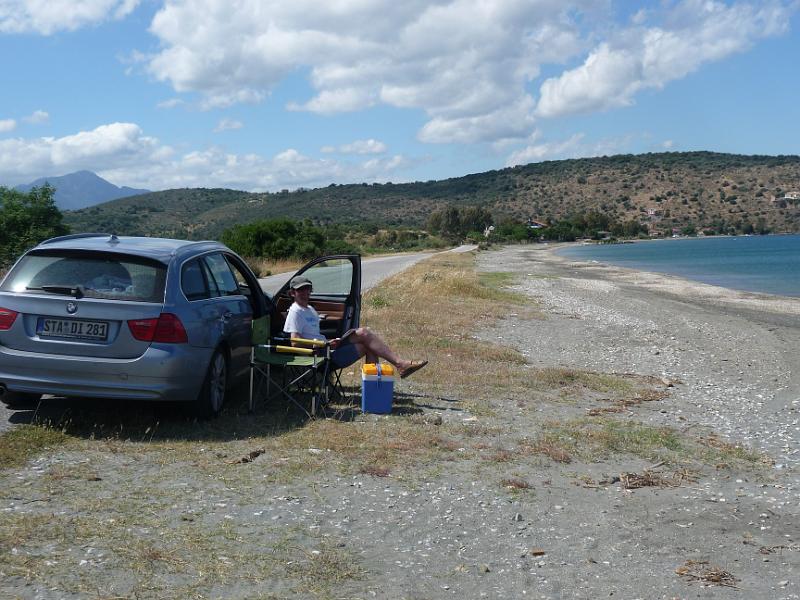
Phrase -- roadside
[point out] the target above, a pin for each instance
(559, 445)
(374, 269)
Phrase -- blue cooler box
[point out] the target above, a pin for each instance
(377, 387)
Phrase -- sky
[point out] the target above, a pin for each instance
(265, 95)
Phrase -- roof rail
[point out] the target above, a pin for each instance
(74, 236)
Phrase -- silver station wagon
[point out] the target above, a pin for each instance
(96, 315)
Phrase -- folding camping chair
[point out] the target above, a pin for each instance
(292, 370)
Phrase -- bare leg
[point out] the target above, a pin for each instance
(371, 346)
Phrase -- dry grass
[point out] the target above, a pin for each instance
(515, 483)
(719, 451)
(648, 478)
(596, 439)
(600, 439)
(23, 442)
(550, 446)
(264, 267)
(431, 310)
(702, 571)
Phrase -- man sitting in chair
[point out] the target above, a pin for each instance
(303, 322)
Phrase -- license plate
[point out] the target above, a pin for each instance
(72, 328)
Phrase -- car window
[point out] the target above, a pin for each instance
(210, 281)
(222, 276)
(90, 274)
(241, 280)
(193, 283)
(331, 277)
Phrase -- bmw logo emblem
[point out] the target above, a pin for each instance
(72, 308)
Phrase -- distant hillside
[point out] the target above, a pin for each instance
(81, 189)
(664, 190)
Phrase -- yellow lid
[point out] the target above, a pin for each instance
(387, 370)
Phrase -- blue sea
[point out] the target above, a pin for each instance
(768, 264)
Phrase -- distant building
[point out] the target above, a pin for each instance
(536, 224)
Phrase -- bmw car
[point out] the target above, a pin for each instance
(96, 315)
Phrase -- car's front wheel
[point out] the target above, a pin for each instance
(20, 400)
(212, 394)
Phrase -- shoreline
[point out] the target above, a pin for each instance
(566, 246)
(733, 352)
(680, 285)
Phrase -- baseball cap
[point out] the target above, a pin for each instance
(297, 282)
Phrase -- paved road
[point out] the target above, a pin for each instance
(373, 270)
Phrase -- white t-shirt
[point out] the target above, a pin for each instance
(304, 322)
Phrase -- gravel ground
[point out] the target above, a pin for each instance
(735, 352)
(451, 530)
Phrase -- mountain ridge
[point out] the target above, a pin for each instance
(723, 192)
(81, 189)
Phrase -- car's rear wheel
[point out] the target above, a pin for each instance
(20, 400)
(212, 394)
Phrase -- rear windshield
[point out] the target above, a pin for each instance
(88, 274)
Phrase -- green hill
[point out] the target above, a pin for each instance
(663, 190)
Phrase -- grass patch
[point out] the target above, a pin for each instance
(435, 308)
(555, 377)
(721, 453)
(600, 439)
(499, 281)
(151, 556)
(594, 439)
(23, 442)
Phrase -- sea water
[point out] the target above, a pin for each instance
(767, 263)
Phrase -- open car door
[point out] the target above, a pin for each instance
(336, 294)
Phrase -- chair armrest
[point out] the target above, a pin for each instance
(306, 342)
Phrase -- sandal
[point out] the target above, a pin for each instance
(415, 366)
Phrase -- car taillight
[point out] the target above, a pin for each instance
(166, 329)
(7, 318)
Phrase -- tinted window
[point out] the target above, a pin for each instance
(221, 274)
(331, 277)
(193, 283)
(95, 274)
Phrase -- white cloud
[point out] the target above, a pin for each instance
(37, 117)
(288, 169)
(462, 62)
(171, 103)
(122, 153)
(369, 146)
(693, 33)
(468, 65)
(227, 125)
(113, 145)
(667, 144)
(49, 16)
(575, 146)
(569, 148)
(7, 125)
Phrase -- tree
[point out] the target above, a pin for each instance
(284, 238)
(455, 223)
(27, 219)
